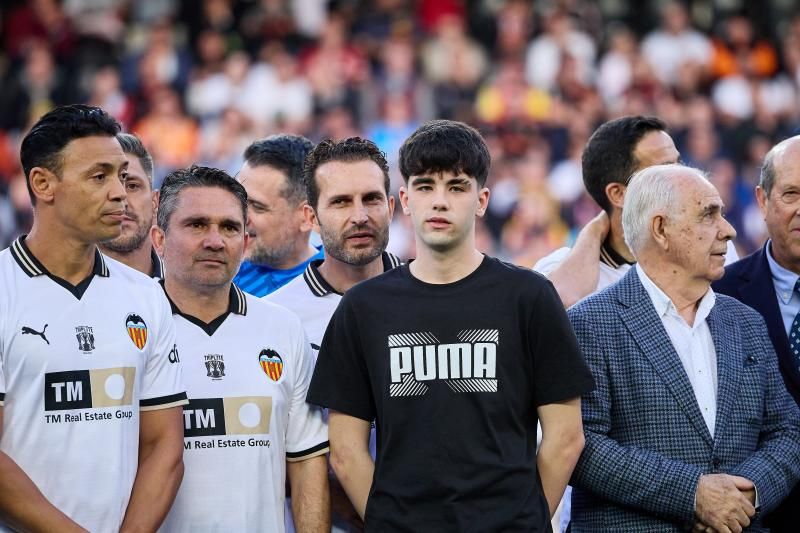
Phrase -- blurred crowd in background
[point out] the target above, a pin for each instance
(198, 80)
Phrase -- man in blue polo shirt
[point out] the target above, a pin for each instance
(279, 248)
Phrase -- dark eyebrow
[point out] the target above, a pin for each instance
(104, 167)
(459, 181)
(422, 180)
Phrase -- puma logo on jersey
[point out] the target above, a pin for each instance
(418, 359)
(30, 331)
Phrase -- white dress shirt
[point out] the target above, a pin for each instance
(694, 345)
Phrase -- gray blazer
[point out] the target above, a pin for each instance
(646, 441)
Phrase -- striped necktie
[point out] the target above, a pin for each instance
(794, 331)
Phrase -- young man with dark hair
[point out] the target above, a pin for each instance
(89, 395)
(247, 366)
(133, 246)
(615, 151)
(455, 357)
(279, 248)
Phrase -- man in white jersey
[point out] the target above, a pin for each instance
(615, 151)
(349, 205)
(247, 365)
(133, 246)
(90, 389)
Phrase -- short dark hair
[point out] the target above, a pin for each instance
(608, 156)
(285, 153)
(349, 150)
(132, 145)
(43, 144)
(195, 176)
(445, 146)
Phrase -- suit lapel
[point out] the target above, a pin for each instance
(758, 292)
(728, 347)
(646, 328)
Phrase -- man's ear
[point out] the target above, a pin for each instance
(157, 237)
(43, 184)
(483, 201)
(615, 192)
(306, 225)
(403, 193)
(658, 229)
(310, 221)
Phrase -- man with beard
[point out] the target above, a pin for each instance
(133, 246)
(347, 185)
(279, 248)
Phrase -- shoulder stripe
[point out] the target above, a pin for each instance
(19, 253)
(319, 449)
(162, 402)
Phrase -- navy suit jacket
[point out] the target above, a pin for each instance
(647, 443)
(749, 280)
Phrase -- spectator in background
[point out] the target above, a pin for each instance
(561, 41)
(675, 44)
(168, 132)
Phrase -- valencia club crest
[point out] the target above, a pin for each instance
(271, 363)
(137, 330)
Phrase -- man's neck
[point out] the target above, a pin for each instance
(206, 305)
(616, 239)
(139, 259)
(685, 295)
(297, 257)
(450, 266)
(69, 259)
(341, 276)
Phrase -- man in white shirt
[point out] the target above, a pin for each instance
(690, 424)
(350, 206)
(247, 366)
(614, 152)
(90, 390)
(133, 246)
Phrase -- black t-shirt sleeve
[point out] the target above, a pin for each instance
(341, 379)
(560, 371)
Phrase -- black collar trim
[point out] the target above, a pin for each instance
(237, 304)
(320, 287)
(158, 265)
(34, 268)
(610, 257)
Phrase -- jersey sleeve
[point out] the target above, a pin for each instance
(341, 380)
(548, 263)
(162, 386)
(307, 434)
(560, 371)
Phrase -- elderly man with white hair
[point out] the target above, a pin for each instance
(690, 425)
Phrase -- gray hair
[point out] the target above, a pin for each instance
(132, 145)
(651, 191)
(195, 176)
(768, 172)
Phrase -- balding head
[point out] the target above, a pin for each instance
(778, 196)
(782, 155)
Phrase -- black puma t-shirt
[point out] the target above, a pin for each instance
(452, 375)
